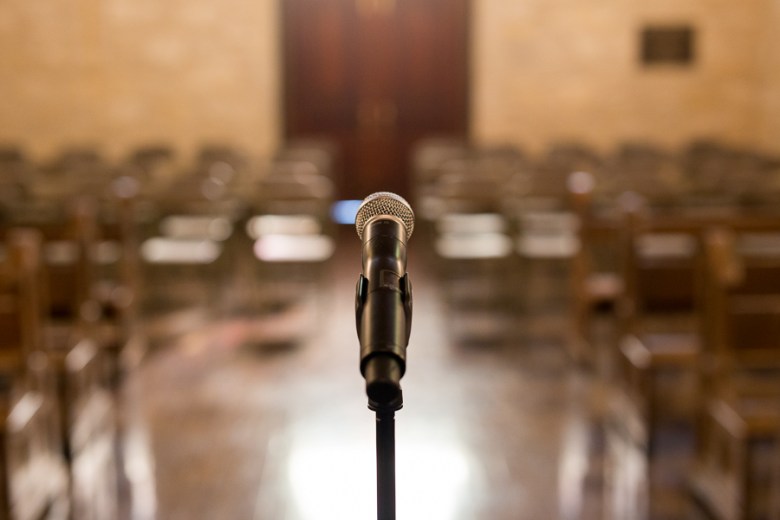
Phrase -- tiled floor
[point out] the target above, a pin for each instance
(223, 424)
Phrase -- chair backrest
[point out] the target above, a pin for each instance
(20, 298)
(741, 299)
(648, 169)
(294, 187)
(323, 153)
(658, 265)
(662, 250)
(429, 154)
(550, 174)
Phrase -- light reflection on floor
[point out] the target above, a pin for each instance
(335, 473)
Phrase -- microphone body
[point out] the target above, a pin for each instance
(383, 303)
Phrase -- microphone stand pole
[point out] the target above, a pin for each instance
(385, 464)
(385, 458)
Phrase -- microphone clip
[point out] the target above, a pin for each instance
(404, 288)
(378, 360)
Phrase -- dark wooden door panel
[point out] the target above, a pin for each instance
(375, 76)
(320, 65)
(434, 75)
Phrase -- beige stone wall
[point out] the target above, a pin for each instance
(770, 52)
(547, 71)
(119, 73)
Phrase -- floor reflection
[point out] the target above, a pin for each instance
(332, 475)
(235, 428)
(336, 473)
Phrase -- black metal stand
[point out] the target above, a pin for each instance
(385, 464)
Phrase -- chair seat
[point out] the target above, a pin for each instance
(603, 287)
(744, 418)
(474, 246)
(162, 250)
(547, 245)
(294, 248)
(295, 225)
(654, 350)
(471, 223)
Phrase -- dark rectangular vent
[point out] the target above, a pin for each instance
(667, 45)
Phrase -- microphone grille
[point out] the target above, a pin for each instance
(384, 203)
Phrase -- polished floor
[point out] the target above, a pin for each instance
(226, 420)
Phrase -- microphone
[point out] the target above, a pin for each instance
(383, 299)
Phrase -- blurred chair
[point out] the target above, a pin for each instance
(739, 428)
(292, 240)
(754, 179)
(149, 156)
(285, 251)
(15, 173)
(153, 165)
(545, 223)
(595, 278)
(546, 189)
(474, 251)
(86, 405)
(215, 152)
(322, 153)
(709, 167)
(428, 158)
(647, 169)
(33, 470)
(117, 282)
(660, 350)
(74, 171)
(650, 419)
(186, 254)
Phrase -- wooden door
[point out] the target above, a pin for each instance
(375, 76)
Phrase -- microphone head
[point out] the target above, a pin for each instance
(384, 204)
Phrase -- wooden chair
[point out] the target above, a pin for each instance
(649, 421)
(595, 280)
(322, 153)
(707, 166)
(428, 161)
(186, 253)
(71, 344)
(661, 257)
(211, 153)
(292, 238)
(739, 417)
(474, 249)
(152, 166)
(85, 357)
(659, 354)
(547, 185)
(15, 171)
(74, 172)
(647, 169)
(117, 286)
(33, 476)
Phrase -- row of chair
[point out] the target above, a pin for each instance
(69, 293)
(190, 214)
(92, 257)
(525, 202)
(240, 244)
(695, 362)
(704, 171)
(672, 421)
